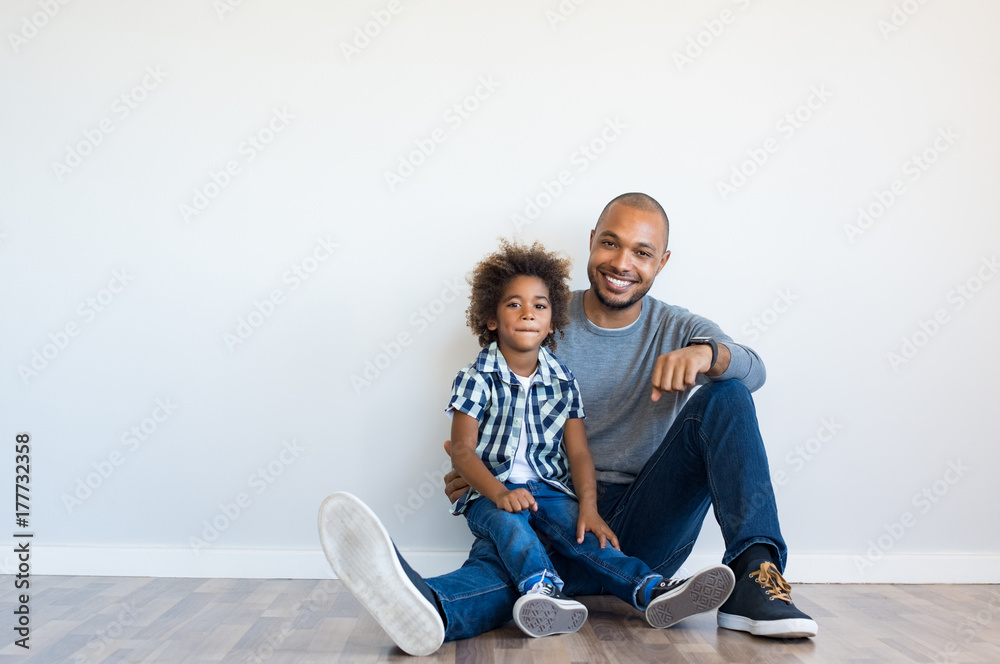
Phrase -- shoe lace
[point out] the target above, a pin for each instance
(543, 587)
(667, 584)
(770, 579)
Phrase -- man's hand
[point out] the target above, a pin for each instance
(454, 484)
(516, 500)
(676, 371)
(591, 521)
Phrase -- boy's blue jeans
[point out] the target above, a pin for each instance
(712, 455)
(524, 557)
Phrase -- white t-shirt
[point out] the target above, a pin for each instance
(520, 470)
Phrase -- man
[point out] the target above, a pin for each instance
(636, 360)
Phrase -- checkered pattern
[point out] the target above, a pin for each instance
(488, 391)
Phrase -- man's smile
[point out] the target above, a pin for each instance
(616, 283)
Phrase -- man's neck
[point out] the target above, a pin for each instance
(608, 318)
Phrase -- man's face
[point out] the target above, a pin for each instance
(627, 251)
(524, 315)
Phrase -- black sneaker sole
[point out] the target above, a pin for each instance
(704, 591)
(542, 616)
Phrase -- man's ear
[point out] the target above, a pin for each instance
(663, 261)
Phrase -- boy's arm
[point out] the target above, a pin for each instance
(464, 437)
(581, 467)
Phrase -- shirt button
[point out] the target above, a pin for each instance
(516, 421)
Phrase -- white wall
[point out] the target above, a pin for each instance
(879, 98)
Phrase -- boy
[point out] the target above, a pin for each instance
(518, 439)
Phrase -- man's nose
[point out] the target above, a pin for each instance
(621, 261)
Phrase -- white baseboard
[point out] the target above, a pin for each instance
(310, 564)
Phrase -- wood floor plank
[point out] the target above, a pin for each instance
(239, 621)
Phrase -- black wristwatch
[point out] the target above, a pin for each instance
(706, 341)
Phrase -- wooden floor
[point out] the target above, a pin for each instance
(121, 619)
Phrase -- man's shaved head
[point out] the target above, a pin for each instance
(643, 203)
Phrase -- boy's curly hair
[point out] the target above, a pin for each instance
(491, 276)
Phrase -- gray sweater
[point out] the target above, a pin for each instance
(614, 369)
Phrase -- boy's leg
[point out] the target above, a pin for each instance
(520, 552)
(542, 609)
(619, 574)
(666, 603)
(712, 455)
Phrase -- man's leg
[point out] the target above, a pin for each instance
(712, 455)
(417, 615)
(478, 596)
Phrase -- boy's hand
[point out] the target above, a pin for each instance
(592, 521)
(516, 500)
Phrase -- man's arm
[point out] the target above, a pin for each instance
(581, 467)
(454, 484)
(679, 369)
(464, 437)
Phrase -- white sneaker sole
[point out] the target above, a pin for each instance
(705, 591)
(789, 628)
(538, 615)
(361, 553)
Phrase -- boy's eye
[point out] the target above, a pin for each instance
(540, 306)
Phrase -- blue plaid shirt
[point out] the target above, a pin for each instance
(488, 391)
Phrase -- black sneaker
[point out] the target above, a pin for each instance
(544, 610)
(367, 563)
(761, 604)
(674, 600)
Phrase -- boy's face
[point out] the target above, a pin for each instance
(524, 315)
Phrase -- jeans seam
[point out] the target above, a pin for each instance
(716, 507)
(481, 591)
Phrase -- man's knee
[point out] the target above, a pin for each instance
(729, 395)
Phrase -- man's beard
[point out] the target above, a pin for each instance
(615, 304)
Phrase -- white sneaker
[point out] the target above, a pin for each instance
(366, 561)
(544, 610)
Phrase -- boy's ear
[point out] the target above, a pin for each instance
(491, 324)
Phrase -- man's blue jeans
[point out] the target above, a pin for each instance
(712, 455)
(524, 557)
